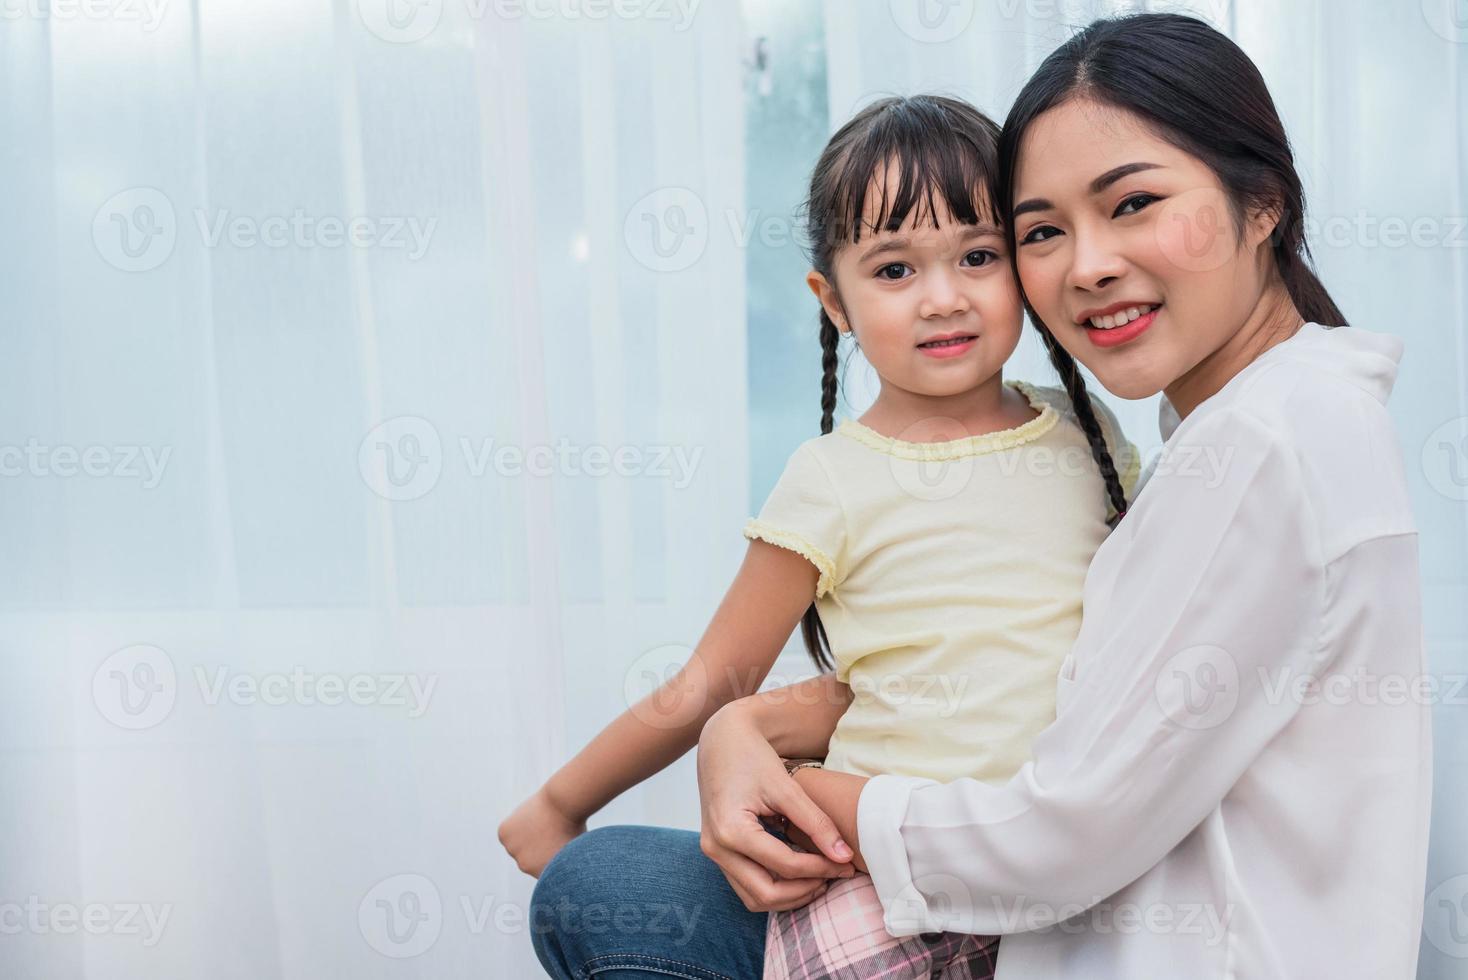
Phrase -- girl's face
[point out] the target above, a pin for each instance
(899, 291)
(1127, 249)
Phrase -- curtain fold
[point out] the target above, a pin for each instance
(413, 456)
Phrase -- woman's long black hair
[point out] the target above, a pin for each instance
(938, 148)
(1198, 91)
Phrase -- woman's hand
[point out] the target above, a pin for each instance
(536, 831)
(740, 779)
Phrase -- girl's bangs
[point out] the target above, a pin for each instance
(904, 170)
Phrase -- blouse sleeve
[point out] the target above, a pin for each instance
(804, 515)
(1221, 587)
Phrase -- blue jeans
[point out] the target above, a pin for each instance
(619, 903)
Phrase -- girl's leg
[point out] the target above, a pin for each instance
(841, 934)
(619, 903)
(977, 959)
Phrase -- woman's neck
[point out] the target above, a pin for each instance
(1274, 320)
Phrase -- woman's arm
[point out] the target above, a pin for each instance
(764, 603)
(1223, 588)
(797, 722)
(798, 719)
(741, 779)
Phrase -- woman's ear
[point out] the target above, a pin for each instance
(830, 301)
(1263, 222)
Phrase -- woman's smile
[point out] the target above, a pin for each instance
(1124, 325)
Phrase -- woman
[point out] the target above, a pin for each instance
(1223, 792)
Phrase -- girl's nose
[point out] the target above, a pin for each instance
(942, 297)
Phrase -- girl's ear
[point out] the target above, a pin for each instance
(826, 293)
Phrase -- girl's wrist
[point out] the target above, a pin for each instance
(792, 766)
(564, 804)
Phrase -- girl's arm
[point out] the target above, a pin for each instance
(770, 593)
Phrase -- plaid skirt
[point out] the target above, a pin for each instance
(840, 936)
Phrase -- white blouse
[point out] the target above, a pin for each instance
(1237, 781)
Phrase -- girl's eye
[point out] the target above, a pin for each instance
(1039, 233)
(980, 257)
(892, 272)
(1134, 204)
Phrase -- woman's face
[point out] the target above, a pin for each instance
(899, 291)
(1127, 249)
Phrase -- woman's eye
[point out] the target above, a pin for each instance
(893, 271)
(981, 257)
(1040, 233)
(1134, 204)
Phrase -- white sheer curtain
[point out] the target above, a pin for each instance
(375, 428)
(363, 451)
(1375, 99)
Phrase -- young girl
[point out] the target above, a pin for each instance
(953, 524)
(933, 552)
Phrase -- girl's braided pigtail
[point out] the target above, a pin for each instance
(811, 630)
(1080, 399)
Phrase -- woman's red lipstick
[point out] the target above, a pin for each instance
(1120, 335)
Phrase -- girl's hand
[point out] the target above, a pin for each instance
(740, 779)
(536, 831)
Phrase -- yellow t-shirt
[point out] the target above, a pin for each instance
(950, 581)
